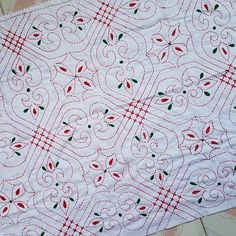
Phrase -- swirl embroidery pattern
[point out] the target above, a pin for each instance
(116, 117)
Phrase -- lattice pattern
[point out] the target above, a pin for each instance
(167, 200)
(229, 76)
(136, 111)
(43, 139)
(13, 42)
(105, 14)
(70, 228)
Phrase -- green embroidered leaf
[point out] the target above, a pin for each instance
(80, 28)
(215, 50)
(201, 75)
(207, 93)
(120, 36)
(111, 125)
(143, 214)
(13, 140)
(231, 45)
(200, 200)
(135, 11)
(13, 71)
(169, 107)
(160, 93)
(96, 214)
(216, 6)
(26, 110)
(64, 123)
(39, 42)
(101, 229)
(42, 234)
(165, 173)
(17, 153)
(106, 111)
(198, 10)
(120, 85)
(71, 198)
(70, 138)
(138, 201)
(151, 135)
(43, 168)
(75, 13)
(192, 183)
(27, 68)
(41, 107)
(152, 177)
(137, 138)
(57, 164)
(35, 28)
(135, 81)
(55, 206)
(104, 41)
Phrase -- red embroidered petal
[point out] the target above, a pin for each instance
(128, 86)
(99, 179)
(179, 49)
(164, 54)
(61, 68)
(21, 205)
(95, 165)
(196, 148)
(208, 128)
(86, 83)
(80, 20)
(50, 165)
(224, 51)
(190, 135)
(34, 111)
(18, 145)
(164, 100)
(18, 191)
(81, 67)
(5, 210)
(36, 35)
(159, 40)
(110, 161)
(173, 32)
(116, 175)
(95, 222)
(3, 197)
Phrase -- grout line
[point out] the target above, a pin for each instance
(203, 226)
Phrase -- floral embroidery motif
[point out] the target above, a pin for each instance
(173, 45)
(203, 142)
(14, 201)
(106, 171)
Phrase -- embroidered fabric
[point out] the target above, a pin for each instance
(116, 117)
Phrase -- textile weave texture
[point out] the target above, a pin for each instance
(116, 117)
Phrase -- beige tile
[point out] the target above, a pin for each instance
(221, 224)
(15, 5)
(193, 228)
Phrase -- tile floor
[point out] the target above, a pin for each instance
(221, 224)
